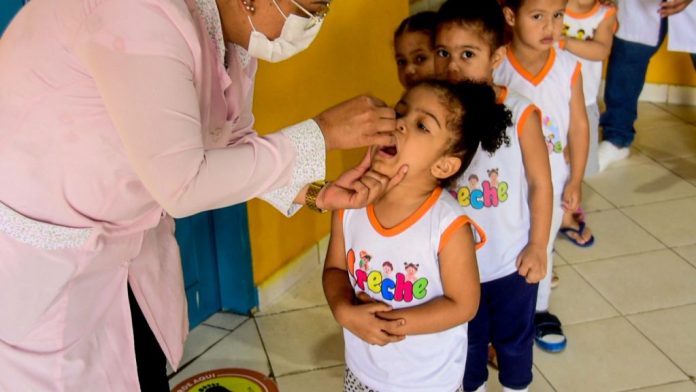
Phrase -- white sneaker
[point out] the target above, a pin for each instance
(608, 153)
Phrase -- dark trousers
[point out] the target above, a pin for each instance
(628, 64)
(152, 364)
(505, 318)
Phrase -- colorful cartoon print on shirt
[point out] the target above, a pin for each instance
(580, 34)
(411, 270)
(552, 135)
(387, 269)
(489, 193)
(403, 287)
(364, 263)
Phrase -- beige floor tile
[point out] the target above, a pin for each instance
(683, 386)
(539, 383)
(575, 301)
(558, 260)
(329, 380)
(606, 355)
(667, 139)
(636, 158)
(688, 253)
(302, 340)
(226, 320)
(673, 332)
(615, 235)
(683, 167)
(650, 115)
(242, 348)
(644, 282)
(684, 112)
(593, 201)
(672, 222)
(306, 293)
(640, 184)
(199, 339)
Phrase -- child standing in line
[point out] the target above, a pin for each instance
(513, 205)
(588, 32)
(413, 48)
(552, 80)
(421, 230)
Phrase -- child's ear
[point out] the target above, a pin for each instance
(446, 167)
(509, 16)
(498, 56)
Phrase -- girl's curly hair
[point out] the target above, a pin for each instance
(476, 118)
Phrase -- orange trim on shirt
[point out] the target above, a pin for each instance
(408, 222)
(525, 116)
(584, 15)
(535, 80)
(481, 234)
(449, 231)
(503, 94)
(576, 73)
(341, 213)
(456, 224)
(611, 12)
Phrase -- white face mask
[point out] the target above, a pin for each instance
(297, 34)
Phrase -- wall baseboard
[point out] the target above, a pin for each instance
(664, 93)
(273, 288)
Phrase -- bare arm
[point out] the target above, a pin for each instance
(599, 47)
(578, 145)
(360, 319)
(532, 260)
(671, 7)
(460, 281)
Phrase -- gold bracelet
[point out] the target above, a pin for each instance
(312, 193)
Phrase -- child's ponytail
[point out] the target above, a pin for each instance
(484, 118)
(483, 121)
(476, 119)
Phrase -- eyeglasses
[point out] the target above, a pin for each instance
(319, 14)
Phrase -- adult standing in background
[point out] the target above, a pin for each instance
(114, 115)
(643, 25)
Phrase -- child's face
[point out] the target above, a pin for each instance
(538, 23)
(463, 53)
(414, 57)
(422, 136)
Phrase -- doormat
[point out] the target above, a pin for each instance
(227, 380)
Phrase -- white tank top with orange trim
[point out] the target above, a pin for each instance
(550, 91)
(583, 27)
(493, 192)
(399, 266)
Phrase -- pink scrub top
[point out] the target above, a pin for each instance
(114, 115)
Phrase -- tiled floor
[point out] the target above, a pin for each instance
(628, 303)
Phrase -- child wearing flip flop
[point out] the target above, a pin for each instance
(514, 211)
(419, 228)
(551, 79)
(413, 48)
(588, 32)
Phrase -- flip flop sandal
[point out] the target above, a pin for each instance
(581, 228)
(548, 333)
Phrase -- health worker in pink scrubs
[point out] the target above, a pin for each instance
(116, 115)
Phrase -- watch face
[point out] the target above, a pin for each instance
(227, 380)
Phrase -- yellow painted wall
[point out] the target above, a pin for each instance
(671, 68)
(352, 55)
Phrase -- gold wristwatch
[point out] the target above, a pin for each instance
(312, 193)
